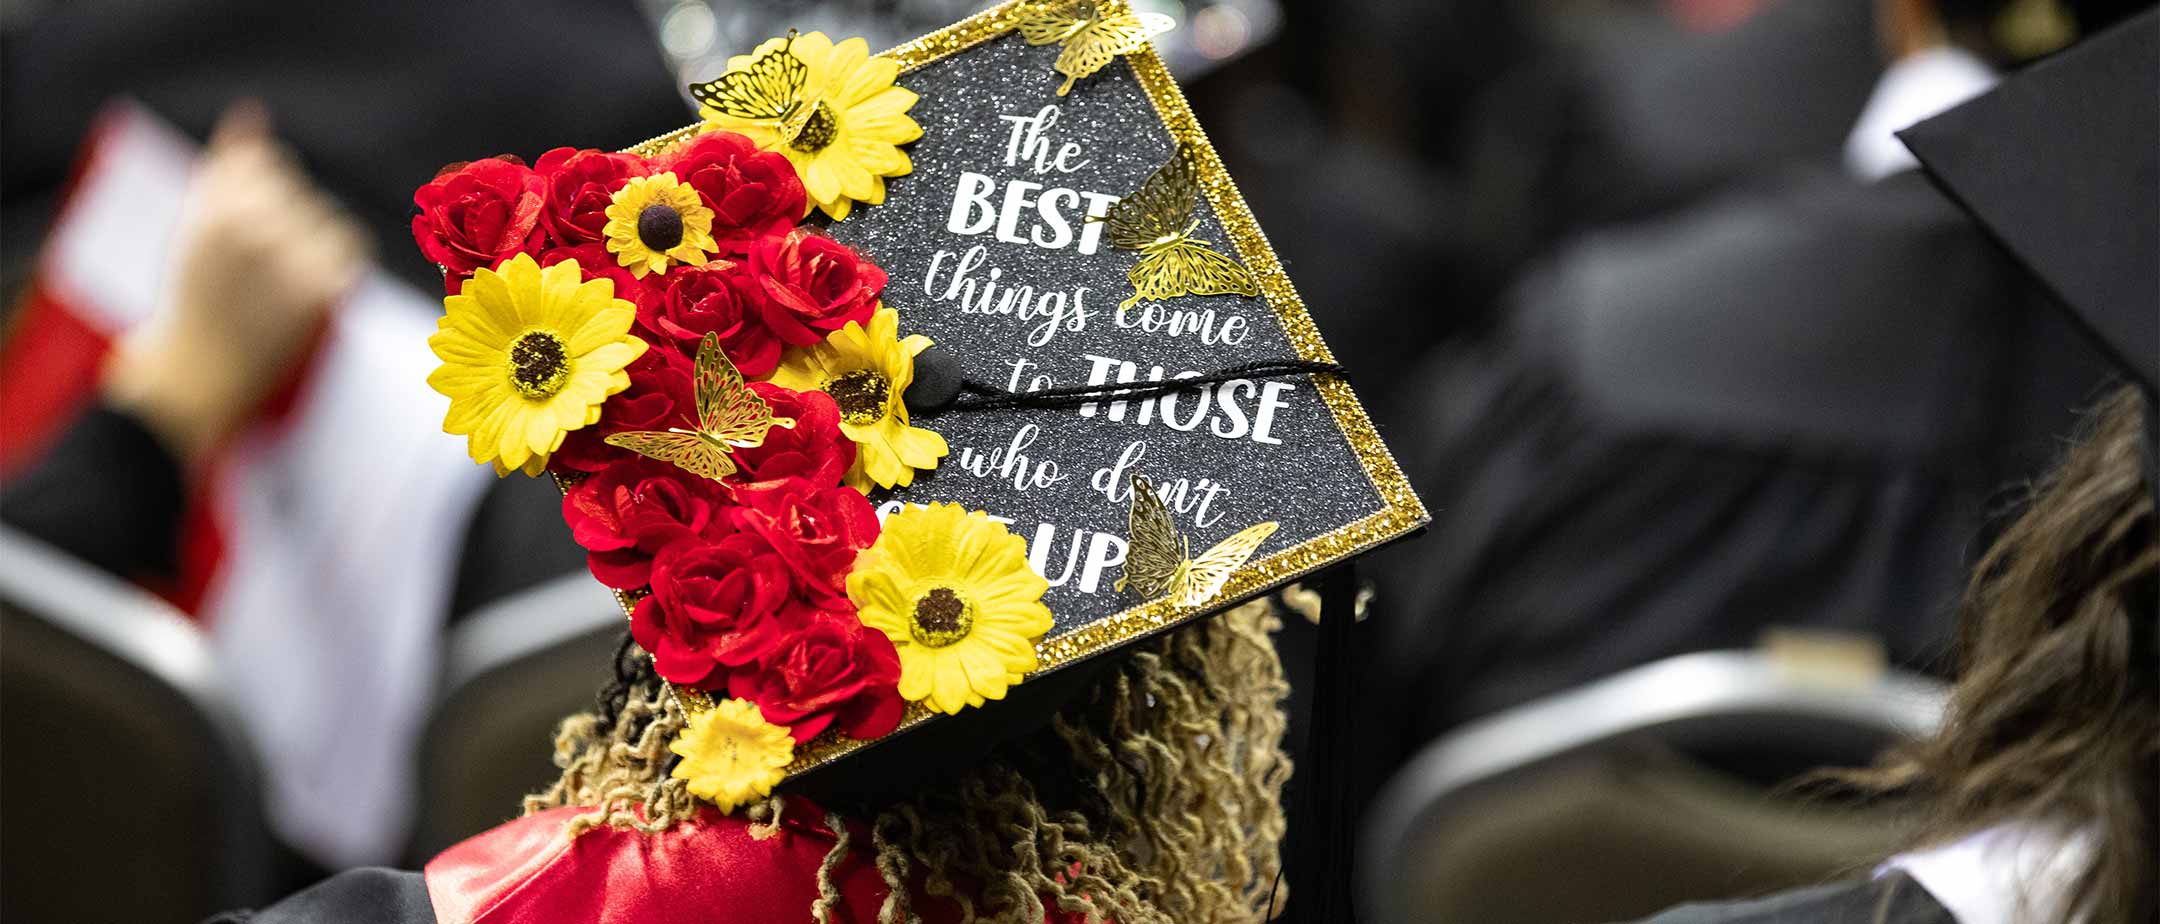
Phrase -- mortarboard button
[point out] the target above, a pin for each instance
(937, 382)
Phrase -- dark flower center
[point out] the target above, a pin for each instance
(818, 130)
(942, 617)
(659, 227)
(861, 395)
(539, 365)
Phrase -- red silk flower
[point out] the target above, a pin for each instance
(580, 185)
(714, 607)
(478, 214)
(831, 670)
(717, 298)
(814, 285)
(753, 194)
(661, 395)
(815, 530)
(746, 577)
(631, 510)
(814, 450)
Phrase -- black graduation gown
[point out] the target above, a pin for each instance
(108, 492)
(375, 97)
(1791, 407)
(361, 896)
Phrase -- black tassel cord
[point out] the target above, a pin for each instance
(983, 397)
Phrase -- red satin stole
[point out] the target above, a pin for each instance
(706, 870)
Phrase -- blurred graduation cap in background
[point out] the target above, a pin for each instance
(2061, 165)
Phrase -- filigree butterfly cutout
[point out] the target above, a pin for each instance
(1158, 558)
(772, 89)
(1093, 34)
(730, 417)
(1157, 220)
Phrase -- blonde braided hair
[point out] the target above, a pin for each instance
(619, 768)
(1154, 797)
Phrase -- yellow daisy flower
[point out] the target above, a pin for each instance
(654, 219)
(528, 355)
(865, 371)
(954, 592)
(731, 756)
(844, 137)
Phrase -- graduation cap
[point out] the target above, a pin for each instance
(2061, 165)
(883, 486)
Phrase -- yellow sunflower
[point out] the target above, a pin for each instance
(654, 219)
(528, 355)
(844, 135)
(731, 756)
(866, 370)
(954, 592)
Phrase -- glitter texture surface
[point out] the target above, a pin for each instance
(1328, 481)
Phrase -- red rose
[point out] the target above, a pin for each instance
(660, 396)
(832, 669)
(753, 194)
(594, 262)
(478, 214)
(579, 186)
(815, 529)
(714, 606)
(813, 285)
(716, 298)
(814, 449)
(632, 509)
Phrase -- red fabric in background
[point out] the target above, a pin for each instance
(50, 360)
(50, 354)
(49, 366)
(708, 869)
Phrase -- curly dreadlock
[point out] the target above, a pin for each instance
(1153, 797)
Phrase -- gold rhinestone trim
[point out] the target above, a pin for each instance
(1401, 512)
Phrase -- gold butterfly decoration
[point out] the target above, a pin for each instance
(1157, 221)
(1158, 559)
(1093, 34)
(771, 89)
(730, 417)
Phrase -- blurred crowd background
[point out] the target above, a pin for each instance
(1712, 397)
